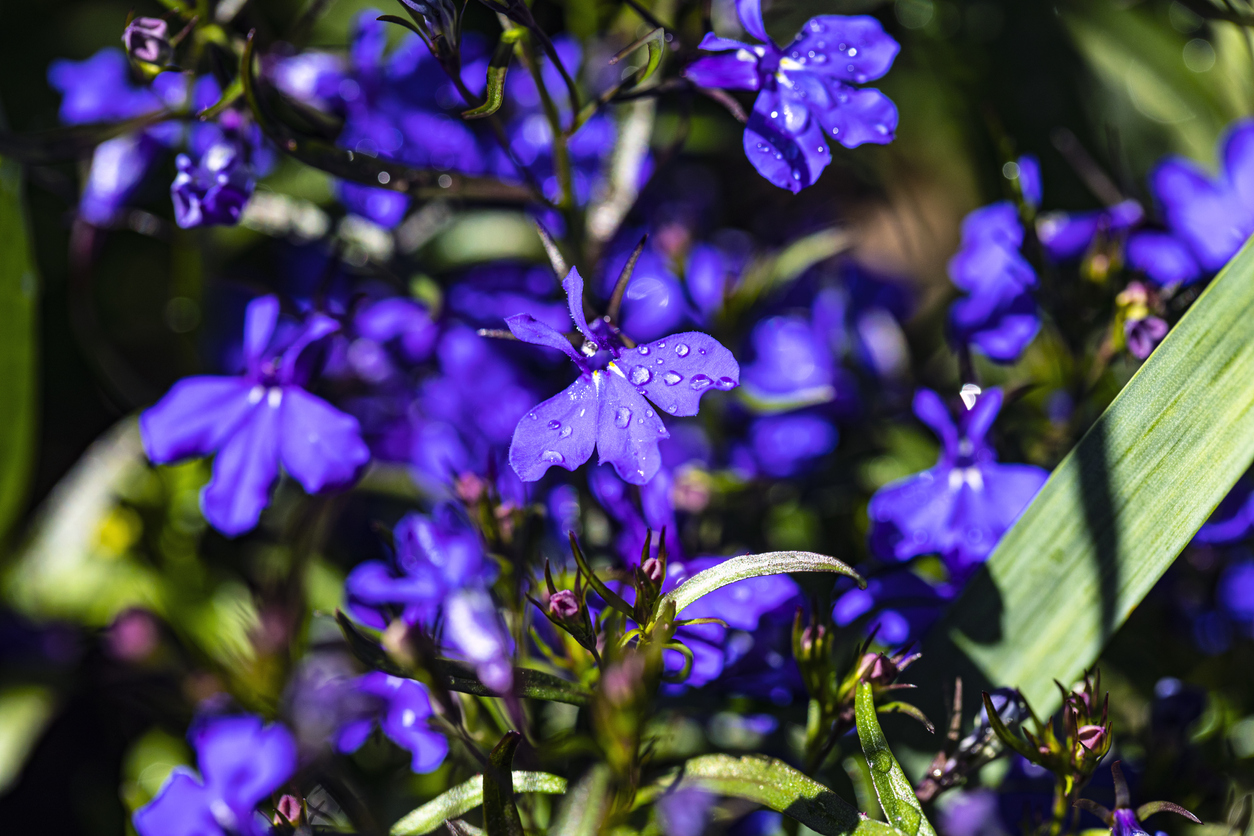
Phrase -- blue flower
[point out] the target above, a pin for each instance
(998, 315)
(805, 90)
(241, 762)
(898, 606)
(1212, 216)
(256, 421)
(401, 708)
(1066, 235)
(960, 508)
(605, 407)
(1162, 257)
(1233, 520)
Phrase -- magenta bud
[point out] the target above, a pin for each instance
(652, 569)
(470, 488)
(288, 811)
(812, 635)
(878, 669)
(563, 604)
(1092, 737)
(146, 40)
(133, 636)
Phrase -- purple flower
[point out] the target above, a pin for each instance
(473, 628)
(1162, 257)
(961, 507)
(1233, 520)
(1066, 235)
(795, 358)
(606, 407)
(684, 812)
(401, 708)
(118, 167)
(805, 94)
(898, 605)
(241, 763)
(255, 422)
(213, 189)
(1143, 335)
(402, 323)
(435, 556)
(99, 89)
(998, 315)
(784, 445)
(1212, 215)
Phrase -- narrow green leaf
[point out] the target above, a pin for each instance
(466, 797)
(500, 814)
(232, 94)
(584, 809)
(775, 785)
(752, 566)
(1005, 734)
(460, 827)
(897, 797)
(1117, 511)
(18, 311)
(494, 93)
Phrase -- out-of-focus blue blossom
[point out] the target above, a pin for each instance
(606, 407)
(972, 813)
(473, 628)
(489, 293)
(654, 303)
(118, 167)
(783, 445)
(213, 189)
(960, 508)
(403, 325)
(1233, 520)
(684, 811)
(257, 421)
(1030, 180)
(1162, 257)
(401, 708)
(897, 605)
(1067, 235)
(1212, 215)
(805, 90)
(435, 557)
(795, 360)
(759, 823)
(241, 763)
(1235, 593)
(99, 89)
(998, 315)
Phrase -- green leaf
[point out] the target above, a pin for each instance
(897, 797)
(18, 312)
(773, 784)
(494, 94)
(1117, 510)
(500, 814)
(752, 566)
(466, 797)
(230, 95)
(584, 808)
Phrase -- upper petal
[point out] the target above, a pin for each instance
(981, 416)
(729, 71)
(1001, 324)
(853, 48)
(628, 429)
(561, 431)
(789, 159)
(932, 411)
(1201, 212)
(195, 417)
(181, 808)
(260, 318)
(573, 285)
(243, 473)
(320, 446)
(750, 14)
(675, 372)
(531, 330)
(855, 116)
(1162, 257)
(243, 761)
(1238, 155)
(713, 43)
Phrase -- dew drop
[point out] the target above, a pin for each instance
(622, 417)
(672, 409)
(796, 175)
(552, 457)
(566, 431)
(725, 383)
(648, 413)
(533, 416)
(661, 345)
(660, 361)
(644, 349)
(774, 114)
(701, 351)
(672, 378)
(555, 425)
(681, 350)
(849, 68)
(843, 47)
(699, 382)
(640, 376)
(661, 430)
(640, 390)
(853, 52)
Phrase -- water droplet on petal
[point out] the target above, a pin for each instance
(672, 378)
(796, 175)
(552, 457)
(672, 409)
(725, 383)
(700, 381)
(660, 361)
(661, 345)
(640, 390)
(701, 351)
(640, 375)
(622, 417)
(533, 416)
(555, 425)
(644, 349)
(648, 413)
(566, 431)
(853, 52)
(681, 350)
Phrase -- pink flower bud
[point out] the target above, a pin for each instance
(288, 811)
(652, 569)
(146, 41)
(563, 604)
(1092, 737)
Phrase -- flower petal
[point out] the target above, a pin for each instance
(981, 416)
(628, 429)
(260, 319)
(750, 14)
(931, 410)
(406, 724)
(855, 116)
(1238, 156)
(852, 48)
(729, 71)
(1201, 212)
(573, 285)
(181, 808)
(561, 431)
(531, 330)
(713, 43)
(195, 417)
(320, 446)
(789, 160)
(242, 761)
(243, 473)
(1001, 324)
(1163, 258)
(675, 372)
(910, 517)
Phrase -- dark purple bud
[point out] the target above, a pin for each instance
(146, 40)
(1144, 335)
(563, 604)
(878, 669)
(652, 569)
(1092, 737)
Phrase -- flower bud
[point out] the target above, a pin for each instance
(147, 42)
(563, 604)
(289, 811)
(878, 669)
(652, 569)
(1092, 737)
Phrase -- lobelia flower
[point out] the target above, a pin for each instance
(1162, 257)
(998, 315)
(898, 605)
(401, 708)
(256, 421)
(147, 42)
(962, 506)
(1066, 235)
(1211, 216)
(213, 189)
(241, 763)
(1233, 520)
(805, 90)
(605, 407)
(1123, 820)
